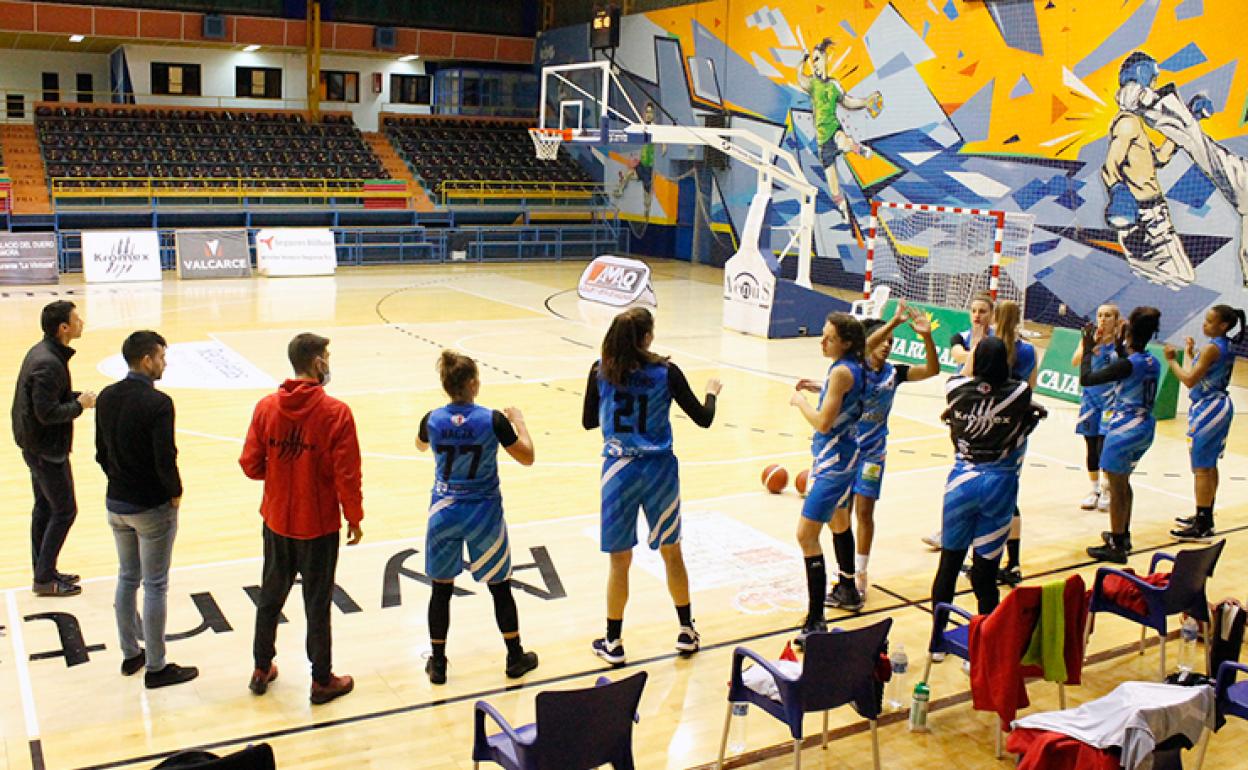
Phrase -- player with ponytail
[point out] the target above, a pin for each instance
(1207, 374)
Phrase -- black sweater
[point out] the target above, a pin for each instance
(134, 443)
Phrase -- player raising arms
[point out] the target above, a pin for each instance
(835, 450)
(467, 507)
(1131, 427)
(990, 415)
(1096, 401)
(882, 381)
(1207, 374)
(629, 395)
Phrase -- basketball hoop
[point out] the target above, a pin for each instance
(546, 141)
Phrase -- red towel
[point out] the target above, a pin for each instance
(1126, 594)
(997, 643)
(1044, 750)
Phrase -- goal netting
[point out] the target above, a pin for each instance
(944, 255)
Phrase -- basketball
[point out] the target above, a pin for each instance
(775, 478)
(800, 482)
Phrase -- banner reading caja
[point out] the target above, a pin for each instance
(1059, 379)
(28, 258)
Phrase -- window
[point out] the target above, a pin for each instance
(51, 87)
(86, 87)
(411, 89)
(340, 86)
(258, 82)
(15, 106)
(175, 79)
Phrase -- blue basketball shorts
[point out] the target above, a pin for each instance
(870, 477)
(978, 507)
(1129, 437)
(1208, 424)
(831, 484)
(1093, 415)
(476, 524)
(650, 483)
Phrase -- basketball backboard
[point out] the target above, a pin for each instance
(586, 99)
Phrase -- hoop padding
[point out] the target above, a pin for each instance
(546, 141)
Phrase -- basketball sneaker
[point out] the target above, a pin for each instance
(610, 650)
(1110, 553)
(435, 667)
(1107, 538)
(844, 596)
(1198, 531)
(1010, 576)
(932, 541)
(688, 641)
(1091, 501)
(1102, 505)
(519, 665)
(817, 627)
(862, 584)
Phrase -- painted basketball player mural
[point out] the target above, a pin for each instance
(826, 96)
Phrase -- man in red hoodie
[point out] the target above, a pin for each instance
(302, 444)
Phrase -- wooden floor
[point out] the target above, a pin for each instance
(64, 700)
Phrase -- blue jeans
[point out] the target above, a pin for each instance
(144, 549)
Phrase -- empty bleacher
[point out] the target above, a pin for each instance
(489, 154)
(101, 147)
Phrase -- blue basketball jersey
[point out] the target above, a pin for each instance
(881, 390)
(1136, 394)
(465, 450)
(1024, 360)
(1218, 378)
(842, 437)
(1102, 356)
(635, 418)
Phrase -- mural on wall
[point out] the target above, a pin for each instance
(1118, 125)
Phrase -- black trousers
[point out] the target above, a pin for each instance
(54, 512)
(314, 561)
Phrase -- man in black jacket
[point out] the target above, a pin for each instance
(45, 406)
(134, 445)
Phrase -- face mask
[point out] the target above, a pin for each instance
(325, 377)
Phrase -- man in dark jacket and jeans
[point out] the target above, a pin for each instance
(135, 447)
(302, 443)
(45, 406)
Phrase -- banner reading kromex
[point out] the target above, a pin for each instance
(213, 254)
(28, 258)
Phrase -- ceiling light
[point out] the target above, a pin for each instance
(76, 38)
(251, 48)
(409, 57)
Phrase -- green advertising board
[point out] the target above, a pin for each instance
(908, 347)
(1059, 379)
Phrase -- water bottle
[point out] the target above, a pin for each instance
(895, 697)
(1187, 645)
(918, 708)
(736, 732)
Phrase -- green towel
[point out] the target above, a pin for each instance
(1048, 641)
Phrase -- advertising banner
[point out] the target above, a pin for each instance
(1059, 379)
(946, 322)
(616, 281)
(213, 254)
(117, 256)
(284, 251)
(28, 258)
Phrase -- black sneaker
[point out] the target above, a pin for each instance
(844, 596)
(1109, 552)
(1185, 521)
(171, 674)
(435, 667)
(1010, 576)
(133, 665)
(1195, 532)
(688, 641)
(518, 665)
(807, 629)
(1107, 538)
(610, 650)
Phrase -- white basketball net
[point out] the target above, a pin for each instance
(546, 143)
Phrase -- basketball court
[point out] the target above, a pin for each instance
(68, 707)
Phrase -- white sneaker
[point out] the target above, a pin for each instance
(1103, 504)
(1089, 503)
(932, 541)
(862, 584)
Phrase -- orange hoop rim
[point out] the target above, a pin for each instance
(564, 134)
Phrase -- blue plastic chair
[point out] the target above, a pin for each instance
(575, 729)
(948, 641)
(838, 667)
(1232, 699)
(1185, 593)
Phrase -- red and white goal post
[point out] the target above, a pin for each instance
(945, 255)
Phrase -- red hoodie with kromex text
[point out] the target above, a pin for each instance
(302, 444)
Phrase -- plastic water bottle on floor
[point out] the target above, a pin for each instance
(918, 708)
(736, 731)
(1187, 646)
(894, 699)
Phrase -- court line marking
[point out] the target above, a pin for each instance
(21, 660)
